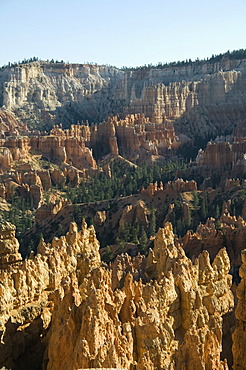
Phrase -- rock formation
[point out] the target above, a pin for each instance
(170, 189)
(162, 311)
(27, 288)
(10, 125)
(129, 136)
(121, 320)
(229, 232)
(201, 97)
(137, 214)
(226, 153)
(239, 335)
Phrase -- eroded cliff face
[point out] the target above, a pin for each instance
(27, 290)
(200, 98)
(226, 155)
(239, 335)
(160, 311)
(133, 137)
(42, 87)
(230, 233)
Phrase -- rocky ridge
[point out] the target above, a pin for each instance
(34, 163)
(239, 333)
(198, 97)
(159, 311)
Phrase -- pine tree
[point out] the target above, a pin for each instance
(195, 199)
(135, 233)
(143, 240)
(204, 208)
(189, 218)
(217, 212)
(152, 224)
(125, 233)
(108, 255)
(180, 227)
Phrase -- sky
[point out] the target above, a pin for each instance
(120, 33)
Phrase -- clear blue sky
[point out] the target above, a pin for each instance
(129, 32)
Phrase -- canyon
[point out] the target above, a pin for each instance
(151, 161)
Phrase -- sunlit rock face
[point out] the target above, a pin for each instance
(200, 98)
(27, 290)
(155, 312)
(239, 335)
(68, 310)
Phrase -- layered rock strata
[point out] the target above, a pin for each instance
(201, 97)
(128, 136)
(239, 335)
(226, 153)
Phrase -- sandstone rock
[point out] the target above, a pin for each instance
(2, 191)
(9, 124)
(27, 289)
(36, 195)
(169, 93)
(72, 175)
(171, 188)
(31, 178)
(151, 313)
(239, 334)
(202, 97)
(137, 214)
(100, 217)
(47, 211)
(9, 246)
(127, 321)
(58, 177)
(225, 154)
(231, 234)
(45, 179)
(6, 158)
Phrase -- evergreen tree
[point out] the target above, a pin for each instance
(143, 240)
(204, 207)
(152, 224)
(108, 255)
(125, 233)
(135, 233)
(180, 228)
(195, 199)
(217, 212)
(189, 218)
(60, 230)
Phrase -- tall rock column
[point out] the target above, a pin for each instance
(239, 335)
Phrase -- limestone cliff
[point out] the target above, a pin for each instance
(160, 311)
(204, 97)
(239, 335)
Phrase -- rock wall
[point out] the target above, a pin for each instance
(129, 137)
(239, 335)
(10, 124)
(160, 311)
(27, 290)
(226, 154)
(201, 97)
(230, 233)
